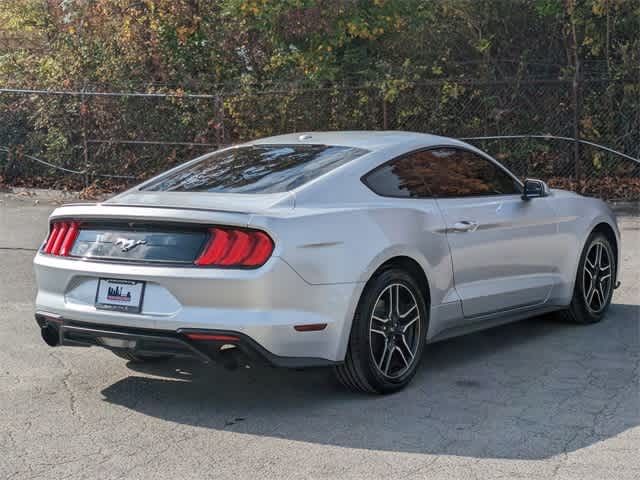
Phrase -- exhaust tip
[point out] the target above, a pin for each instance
(230, 357)
(50, 335)
(49, 329)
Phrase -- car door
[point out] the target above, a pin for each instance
(501, 245)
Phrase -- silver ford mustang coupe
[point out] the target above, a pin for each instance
(344, 249)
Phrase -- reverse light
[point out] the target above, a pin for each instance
(231, 247)
(61, 238)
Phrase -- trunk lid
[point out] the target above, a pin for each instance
(162, 228)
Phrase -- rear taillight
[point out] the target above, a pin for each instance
(61, 238)
(230, 247)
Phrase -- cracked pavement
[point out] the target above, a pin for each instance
(530, 400)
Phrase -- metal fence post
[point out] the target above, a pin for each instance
(220, 128)
(216, 116)
(83, 126)
(575, 100)
(385, 113)
(8, 169)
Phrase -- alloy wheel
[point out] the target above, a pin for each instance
(597, 277)
(394, 331)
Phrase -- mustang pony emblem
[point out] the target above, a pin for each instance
(127, 244)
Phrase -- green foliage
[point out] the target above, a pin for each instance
(310, 52)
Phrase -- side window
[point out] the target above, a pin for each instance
(460, 173)
(443, 172)
(403, 177)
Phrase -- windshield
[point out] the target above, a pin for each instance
(256, 169)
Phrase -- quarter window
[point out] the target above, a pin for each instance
(441, 172)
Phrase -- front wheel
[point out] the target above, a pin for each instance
(387, 336)
(595, 281)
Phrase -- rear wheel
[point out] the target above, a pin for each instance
(387, 336)
(131, 357)
(594, 281)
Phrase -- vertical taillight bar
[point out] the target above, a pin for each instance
(53, 235)
(55, 250)
(69, 239)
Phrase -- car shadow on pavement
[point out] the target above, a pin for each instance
(528, 390)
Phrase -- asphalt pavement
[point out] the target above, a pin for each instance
(538, 399)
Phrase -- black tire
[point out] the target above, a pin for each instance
(580, 310)
(360, 371)
(140, 358)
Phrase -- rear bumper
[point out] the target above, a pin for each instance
(266, 305)
(227, 347)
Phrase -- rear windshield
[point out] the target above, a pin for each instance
(257, 169)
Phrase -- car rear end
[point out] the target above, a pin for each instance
(127, 277)
(181, 273)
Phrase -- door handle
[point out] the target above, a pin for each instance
(465, 226)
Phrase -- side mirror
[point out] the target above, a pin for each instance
(534, 188)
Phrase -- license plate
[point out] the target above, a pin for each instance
(120, 295)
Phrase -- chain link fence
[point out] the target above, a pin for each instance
(60, 138)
